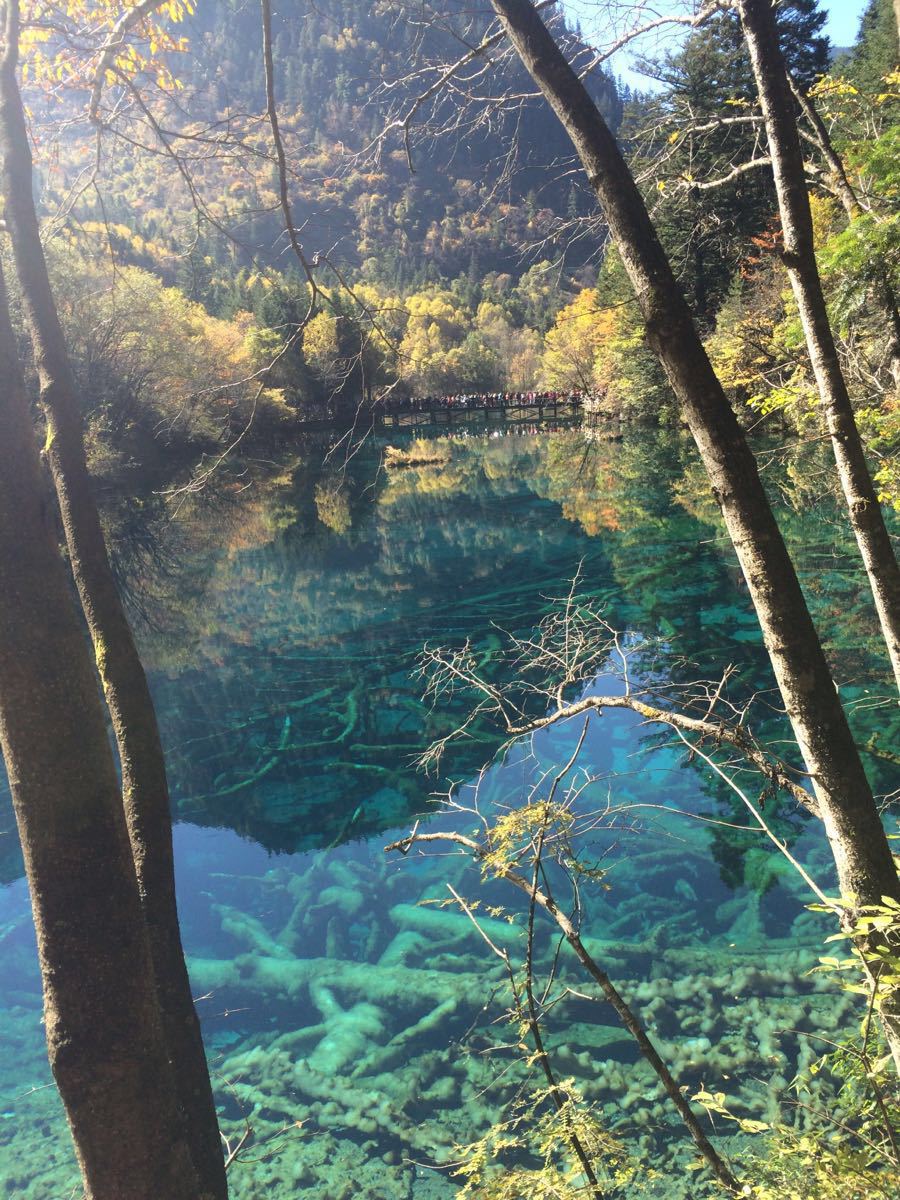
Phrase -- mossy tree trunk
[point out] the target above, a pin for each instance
(866, 517)
(144, 785)
(858, 843)
(104, 1033)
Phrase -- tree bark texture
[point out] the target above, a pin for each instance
(865, 866)
(103, 1028)
(866, 517)
(144, 785)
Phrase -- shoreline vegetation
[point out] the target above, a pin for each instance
(166, 382)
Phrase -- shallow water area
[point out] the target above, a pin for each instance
(349, 1024)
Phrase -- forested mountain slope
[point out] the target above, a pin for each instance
(457, 245)
(492, 194)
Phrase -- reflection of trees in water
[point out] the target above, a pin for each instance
(298, 715)
(296, 718)
(282, 644)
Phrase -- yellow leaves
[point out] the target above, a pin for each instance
(142, 48)
(193, 369)
(514, 832)
(715, 1102)
(825, 217)
(833, 85)
(346, 40)
(435, 326)
(837, 98)
(572, 345)
(892, 88)
(175, 10)
(320, 341)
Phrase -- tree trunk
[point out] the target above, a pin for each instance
(882, 292)
(104, 1034)
(861, 852)
(866, 517)
(144, 786)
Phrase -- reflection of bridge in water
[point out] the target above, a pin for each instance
(447, 416)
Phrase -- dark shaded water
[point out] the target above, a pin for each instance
(282, 652)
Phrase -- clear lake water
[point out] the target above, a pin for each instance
(352, 1026)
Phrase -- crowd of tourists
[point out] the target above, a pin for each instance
(473, 400)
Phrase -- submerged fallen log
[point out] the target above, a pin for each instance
(285, 978)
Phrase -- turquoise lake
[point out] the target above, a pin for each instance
(352, 1026)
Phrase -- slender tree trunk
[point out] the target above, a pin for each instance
(882, 292)
(144, 785)
(103, 1028)
(866, 517)
(846, 194)
(861, 852)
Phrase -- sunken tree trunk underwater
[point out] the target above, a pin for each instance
(144, 785)
(865, 867)
(866, 517)
(104, 1034)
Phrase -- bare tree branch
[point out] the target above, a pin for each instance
(621, 1007)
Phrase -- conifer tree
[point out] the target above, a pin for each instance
(876, 51)
(700, 130)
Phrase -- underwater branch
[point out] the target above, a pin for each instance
(544, 900)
